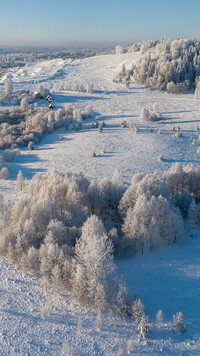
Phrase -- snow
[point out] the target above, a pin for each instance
(167, 279)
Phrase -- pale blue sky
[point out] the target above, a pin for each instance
(96, 21)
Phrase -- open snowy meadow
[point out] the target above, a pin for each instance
(35, 318)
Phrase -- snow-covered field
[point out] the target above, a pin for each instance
(167, 279)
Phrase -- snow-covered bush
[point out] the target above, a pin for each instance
(88, 111)
(31, 146)
(4, 173)
(10, 155)
(119, 49)
(161, 158)
(155, 108)
(144, 115)
(8, 87)
(45, 310)
(123, 124)
(24, 104)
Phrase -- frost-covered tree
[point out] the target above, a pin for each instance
(59, 232)
(24, 104)
(50, 256)
(155, 108)
(20, 181)
(159, 318)
(194, 214)
(88, 111)
(123, 71)
(143, 328)
(75, 86)
(31, 146)
(197, 91)
(31, 261)
(137, 310)
(119, 49)
(45, 310)
(130, 196)
(176, 178)
(178, 323)
(94, 261)
(89, 88)
(8, 87)
(41, 90)
(144, 115)
(4, 174)
(77, 120)
(9, 155)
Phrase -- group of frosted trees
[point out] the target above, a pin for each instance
(75, 86)
(11, 96)
(68, 228)
(27, 123)
(169, 65)
(148, 115)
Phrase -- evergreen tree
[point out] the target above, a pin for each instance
(178, 323)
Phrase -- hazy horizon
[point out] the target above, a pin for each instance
(89, 23)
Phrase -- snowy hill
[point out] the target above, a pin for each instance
(166, 279)
(126, 151)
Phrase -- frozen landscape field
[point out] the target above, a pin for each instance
(38, 322)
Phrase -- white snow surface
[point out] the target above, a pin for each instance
(168, 279)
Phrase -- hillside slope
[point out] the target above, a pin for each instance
(167, 279)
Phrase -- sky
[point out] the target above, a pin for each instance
(97, 22)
